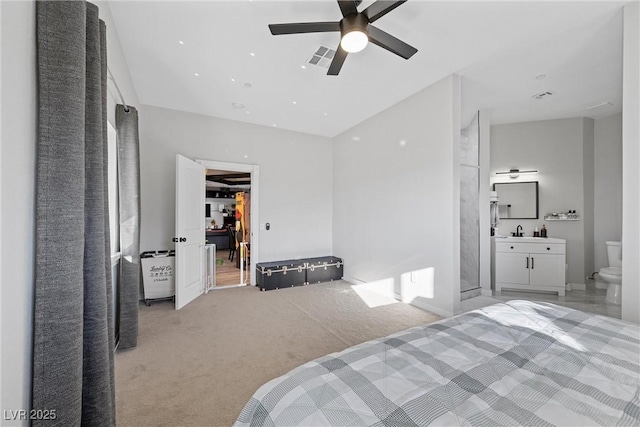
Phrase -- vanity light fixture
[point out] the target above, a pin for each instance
(514, 173)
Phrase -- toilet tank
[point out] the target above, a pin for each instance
(614, 254)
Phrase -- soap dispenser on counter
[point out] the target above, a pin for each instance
(543, 231)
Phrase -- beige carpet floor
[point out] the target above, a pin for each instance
(200, 365)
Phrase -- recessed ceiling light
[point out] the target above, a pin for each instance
(247, 85)
(541, 76)
(325, 114)
(246, 156)
(238, 106)
(233, 80)
(403, 142)
(252, 54)
(274, 125)
(196, 74)
(294, 102)
(248, 112)
(180, 41)
(304, 67)
(356, 138)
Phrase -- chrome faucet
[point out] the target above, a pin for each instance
(519, 232)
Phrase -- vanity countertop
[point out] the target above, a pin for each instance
(528, 239)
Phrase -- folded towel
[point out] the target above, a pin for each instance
(494, 215)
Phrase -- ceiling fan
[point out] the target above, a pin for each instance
(355, 29)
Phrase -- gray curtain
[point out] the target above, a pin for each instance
(73, 334)
(129, 201)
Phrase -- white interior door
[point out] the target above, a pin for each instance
(190, 234)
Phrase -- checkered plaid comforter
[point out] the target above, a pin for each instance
(517, 363)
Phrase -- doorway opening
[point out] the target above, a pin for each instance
(228, 195)
(230, 218)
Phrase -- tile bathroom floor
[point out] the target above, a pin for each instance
(590, 300)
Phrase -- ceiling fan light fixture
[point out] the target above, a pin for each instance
(353, 29)
(354, 41)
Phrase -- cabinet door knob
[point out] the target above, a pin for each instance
(511, 247)
(548, 249)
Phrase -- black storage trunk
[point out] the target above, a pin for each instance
(280, 274)
(324, 269)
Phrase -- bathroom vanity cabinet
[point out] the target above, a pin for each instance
(530, 263)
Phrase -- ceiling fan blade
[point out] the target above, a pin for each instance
(347, 7)
(304, 27)
(380, 8)
(338, 60)
(392, 44)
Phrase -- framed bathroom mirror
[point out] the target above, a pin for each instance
(517, 200)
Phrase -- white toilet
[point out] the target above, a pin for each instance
(612, 275)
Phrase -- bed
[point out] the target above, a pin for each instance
(515, 363)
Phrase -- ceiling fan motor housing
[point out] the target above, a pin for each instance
(354, 22)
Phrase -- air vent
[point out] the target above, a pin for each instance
(322, 57)
(543, 95)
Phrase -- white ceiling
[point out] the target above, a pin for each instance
(497, 47)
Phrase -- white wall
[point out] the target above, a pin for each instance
(17, 186)
(485, 221)
(607, 185)
(17, 199)
(630, 162)
(403, 164)
(295, 178)
(588, 177)
(555, 148)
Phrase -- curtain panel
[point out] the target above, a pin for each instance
(129, 202)
(73, 333)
